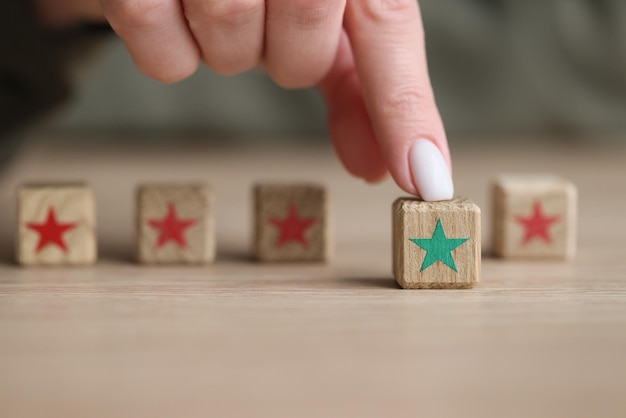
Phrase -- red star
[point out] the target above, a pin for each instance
(51, 231)
(171, 228)
(537, 224)
(292, 228)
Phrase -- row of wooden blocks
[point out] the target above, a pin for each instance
(435, 244)
(174, 224)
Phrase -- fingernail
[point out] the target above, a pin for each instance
(430, 171)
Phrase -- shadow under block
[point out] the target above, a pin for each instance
(175, 224)
(436, 245)
(291, 223)
(56, 225)
(534, 216)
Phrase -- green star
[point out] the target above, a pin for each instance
(439, 248)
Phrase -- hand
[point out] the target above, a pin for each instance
(382, 111)
(367, 57)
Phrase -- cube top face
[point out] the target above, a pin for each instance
(56, 225)
(291, 223)
(534, 217)
(436, 245)
(175, 224)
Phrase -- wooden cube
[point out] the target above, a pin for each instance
(175, 224)
(436, 245)
(534, 216)
(56, 225)
(291, 223)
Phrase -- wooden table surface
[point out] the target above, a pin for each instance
(240, 339)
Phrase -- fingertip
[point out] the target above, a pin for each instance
(377, 178)
(357, 151)
(169, 74)
(301, 40)
(157, 37)
(368, 167)
(352, 134)
(429, 171)
(293, 76)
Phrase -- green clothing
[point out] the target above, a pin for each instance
(528, 65)
(496, 66)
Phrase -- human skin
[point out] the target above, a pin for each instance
(367, 57)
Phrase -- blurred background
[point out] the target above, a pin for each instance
(555, 67)
(240, 339)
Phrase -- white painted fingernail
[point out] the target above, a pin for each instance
(430, 171)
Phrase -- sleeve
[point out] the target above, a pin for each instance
(32, 78)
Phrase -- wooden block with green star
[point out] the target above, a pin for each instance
(436, 245)
(56, 225)
(175, 224)
(534, 217)
(291, 222)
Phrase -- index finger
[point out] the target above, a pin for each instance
(387, 40)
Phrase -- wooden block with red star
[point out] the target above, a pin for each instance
(56, 225)
(436, 245)
(175, 224)
(291, 223)
(534, 217)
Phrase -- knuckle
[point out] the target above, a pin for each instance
(406, 104)
(389, 11)
(228, 12)
(314, 13)
(138, 14)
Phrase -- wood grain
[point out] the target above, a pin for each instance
(72, 204)
(243, 339)
(414, 218)
(190, 202)
(514, 196)
(274, 202)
